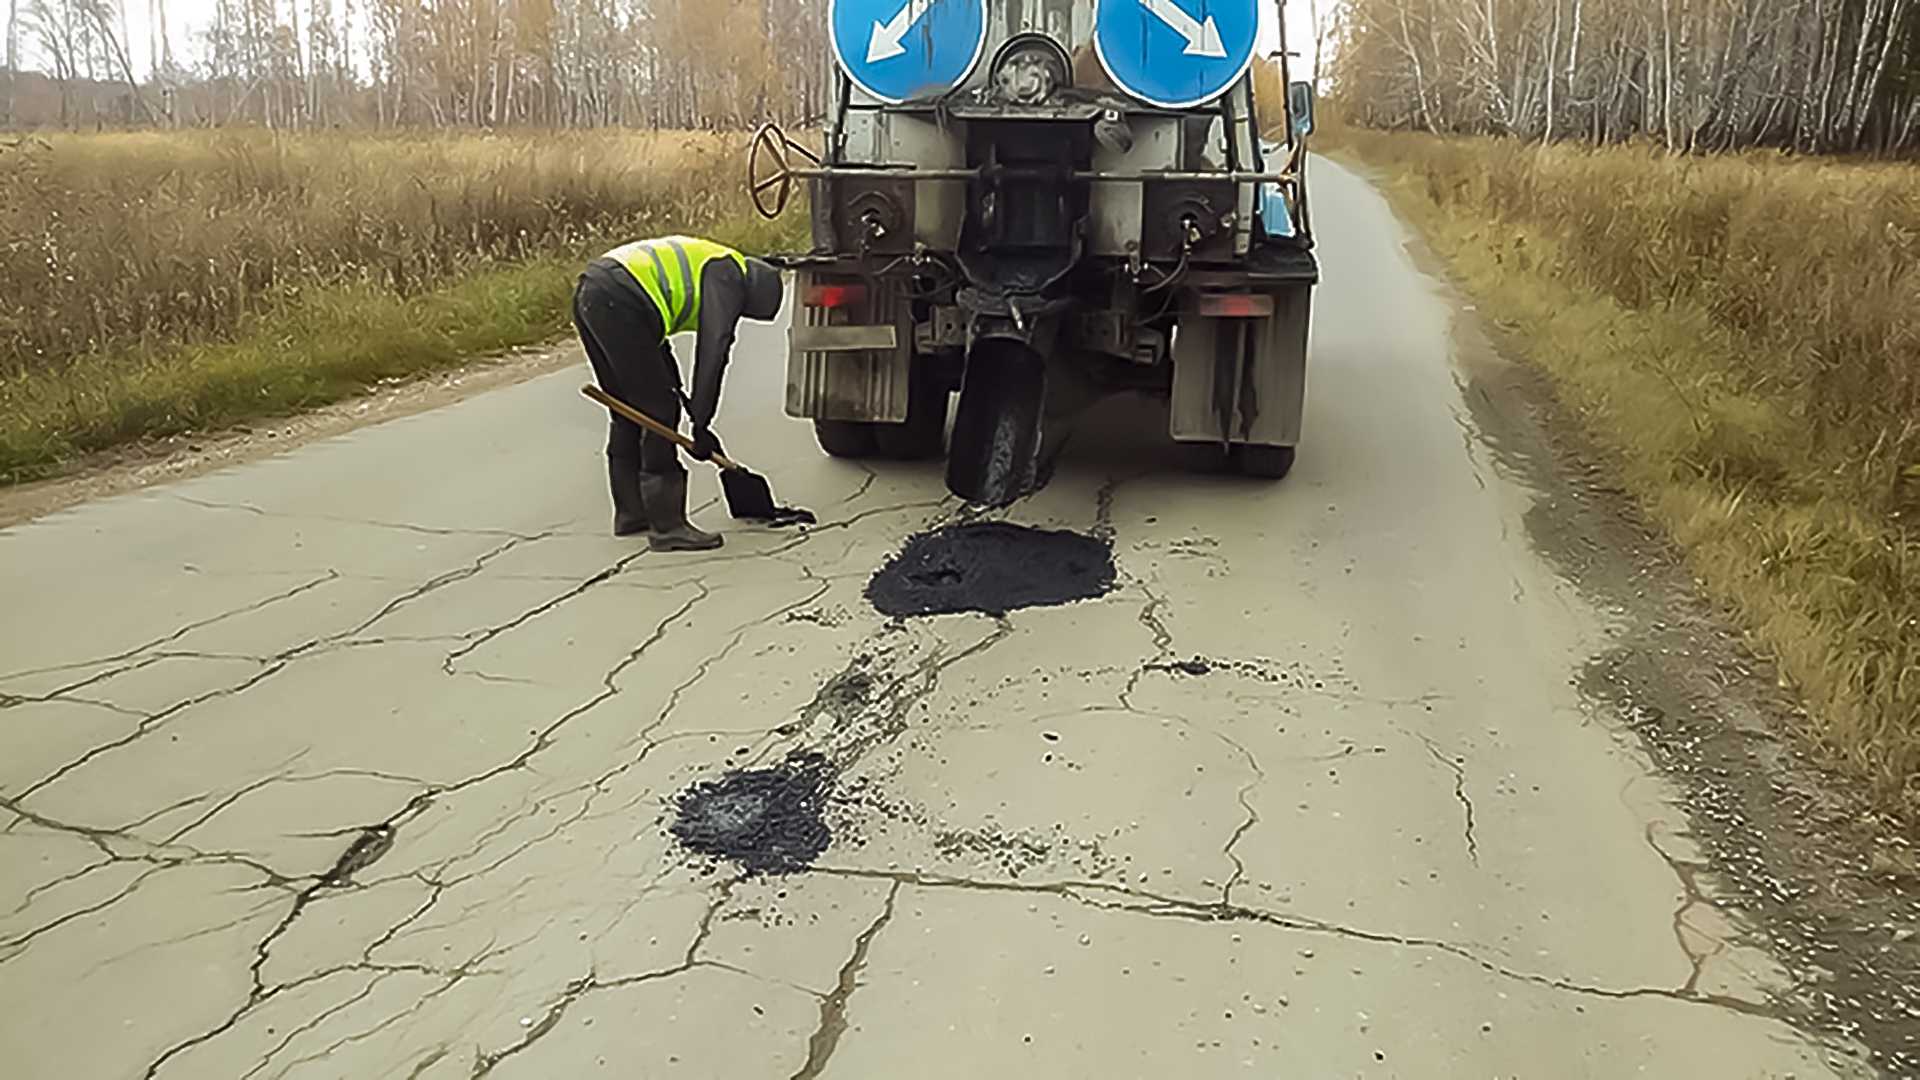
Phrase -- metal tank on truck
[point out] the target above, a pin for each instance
(1034, 203)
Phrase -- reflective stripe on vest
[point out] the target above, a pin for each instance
(668, 270)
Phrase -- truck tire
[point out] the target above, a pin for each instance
(924, 433)
(1203, 458)
(845, 438)
(1266, 462)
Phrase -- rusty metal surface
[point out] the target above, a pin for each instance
(833, 384)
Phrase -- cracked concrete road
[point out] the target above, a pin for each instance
(358, 761)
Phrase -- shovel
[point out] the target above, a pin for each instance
(748, 496)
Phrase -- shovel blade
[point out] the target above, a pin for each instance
(749, 498)
(748, 495)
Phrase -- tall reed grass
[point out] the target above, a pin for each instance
(133, 258)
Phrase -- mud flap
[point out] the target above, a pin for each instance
(1242, 380)
(852, 363)
(994, 455)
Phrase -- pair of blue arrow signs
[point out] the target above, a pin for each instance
(1170, 53)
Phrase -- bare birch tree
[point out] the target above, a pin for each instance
(1813, 75)
(13, 62)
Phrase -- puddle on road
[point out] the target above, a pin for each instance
(767, 820)
(993, 568)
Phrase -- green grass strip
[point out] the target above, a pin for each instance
(330, 344)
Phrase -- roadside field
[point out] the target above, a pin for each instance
(155, 283)
(1743, 333)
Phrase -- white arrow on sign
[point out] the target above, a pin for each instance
(1203, 38)
(885, 44)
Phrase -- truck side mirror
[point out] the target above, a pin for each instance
(1300, 108)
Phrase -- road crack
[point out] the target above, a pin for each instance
(489, 633)
(591, 983)
(158, 858)
(375, 840)
(372, 841)
(1246, 824)
(274, 665)
(142, 652)
(1106, 896)
(336, 519)
(833, 1009)
(1688, 875)
(1459, 771)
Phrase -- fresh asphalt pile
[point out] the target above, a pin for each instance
(991, 567)
(767, 820)
(771, 820)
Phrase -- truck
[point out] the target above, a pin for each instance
(1043, 202)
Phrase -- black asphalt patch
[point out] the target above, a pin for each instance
(767, 820)
(991, 567)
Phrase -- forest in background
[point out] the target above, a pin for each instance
(303, 64)
(308, 64)
(1815, 76)
(1818, 76)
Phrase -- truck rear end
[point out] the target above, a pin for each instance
(1033, 233)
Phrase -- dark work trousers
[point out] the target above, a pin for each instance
(620, 328)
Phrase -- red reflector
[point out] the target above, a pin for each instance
(834, 296)
(1236, 305)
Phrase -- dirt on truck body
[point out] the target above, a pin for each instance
(1041, 228)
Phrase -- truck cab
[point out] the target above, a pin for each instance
(1055, 220)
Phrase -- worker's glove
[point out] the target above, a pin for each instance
(705, 444)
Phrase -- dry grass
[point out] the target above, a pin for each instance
(132, 261)
(1745, 333)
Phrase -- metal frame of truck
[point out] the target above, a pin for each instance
(1034, 238)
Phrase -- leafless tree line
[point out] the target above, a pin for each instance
(80, 39)
(443, 63)
(1812, 75)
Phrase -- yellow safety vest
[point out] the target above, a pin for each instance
(668, 269)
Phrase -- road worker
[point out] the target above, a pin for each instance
(628, 303)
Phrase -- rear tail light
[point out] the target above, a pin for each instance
(1236, 305)
(834, 295)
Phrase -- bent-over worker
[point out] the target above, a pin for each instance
(628, 303)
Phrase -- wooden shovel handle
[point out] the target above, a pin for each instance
(649, 422)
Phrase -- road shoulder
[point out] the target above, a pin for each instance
(1764, 831)
(164, 461)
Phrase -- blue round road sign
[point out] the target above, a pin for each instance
(1175, 53)
(902, 49)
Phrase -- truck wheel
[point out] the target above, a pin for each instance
(845, 438)
(1266, 462)
(924, 433)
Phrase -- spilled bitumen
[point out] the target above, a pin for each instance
(991, 567)
(766, 820)
(1275, 673)
(775, 820)
(1195, 667)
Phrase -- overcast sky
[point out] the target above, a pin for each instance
(187, 19)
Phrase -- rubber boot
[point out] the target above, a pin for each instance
(629, 510)
(666, 497)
